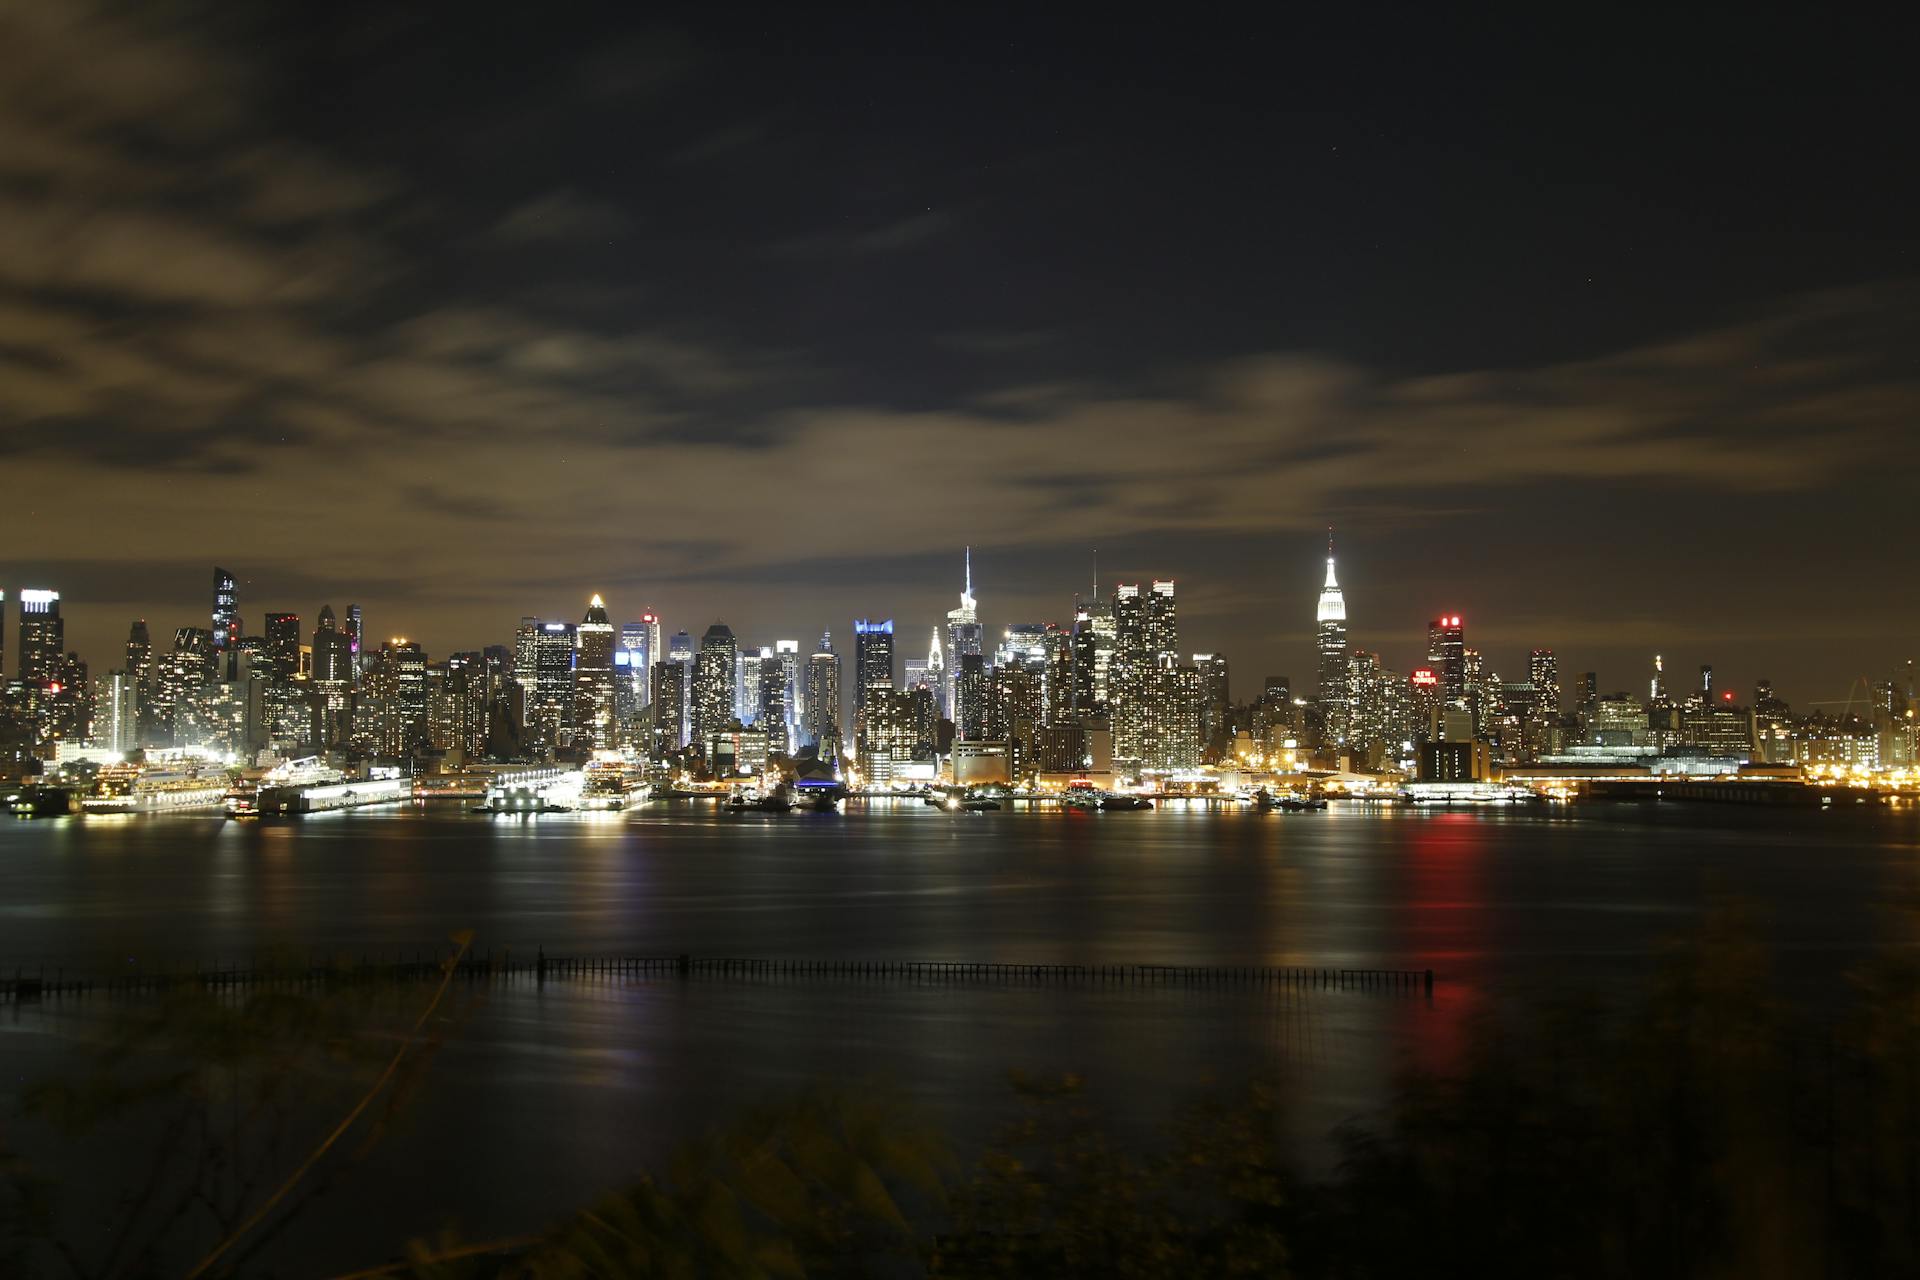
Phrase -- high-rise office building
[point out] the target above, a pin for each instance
(872, 662)
(890, 733)
(680, 650)
(356, 630)
(964, 634)
(140, 660)
(793, 688)
(970, 697)
(668, 697)
(641, 640)
(42, 637)
(713, 673)
(1162, 632)
(332, 650)
(642, 645)
(1446, 655)
(1022, 644)
(1543, 673)
(283, 645)
(1093, 637)
(405, 724)
(593, 723)
(1058, 681)
(549, 686)
(936, 674)
(1216, 702)
(746, 684)
(771, 715)
(1331, 643)
(226, 611)
(821, 721)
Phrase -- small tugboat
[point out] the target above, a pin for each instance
(1125, 804)
(45, 802)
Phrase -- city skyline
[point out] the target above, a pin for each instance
(373, 309)
(1399, 644)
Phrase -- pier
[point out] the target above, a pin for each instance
(539, 968)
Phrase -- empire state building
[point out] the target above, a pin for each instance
(1332, 644)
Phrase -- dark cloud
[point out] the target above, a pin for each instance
(465, 326)
(562, 215)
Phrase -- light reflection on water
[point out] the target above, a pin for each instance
(580, 1084)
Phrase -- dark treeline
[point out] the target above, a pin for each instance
(1704, 1127)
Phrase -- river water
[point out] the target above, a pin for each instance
(545, 1096)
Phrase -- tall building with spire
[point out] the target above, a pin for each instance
(1331, 617)
(964, 636)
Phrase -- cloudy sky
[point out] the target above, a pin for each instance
(1601, 336)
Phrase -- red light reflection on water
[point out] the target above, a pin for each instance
(1447, 928)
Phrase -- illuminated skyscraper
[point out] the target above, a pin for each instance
(1162, 636)
(1092, 656)
(1446, 654)
(283, 645)
(872, 661)
(668, 697)
(116, 712)
(821, 721)
(404, 722)
(970, 697)
(1331, 642)
(42, 646)
(713, 673)
(771, 715)
(641, 640)
(793, 688)
(1216, 702)
(746, 685)
(332, 650)
(1543, 673)
(1058, 690)
(356, 630)
(593, 724)
(680, 650)
(140, 660)
(226, 610)
(936, 674)
(549, 690)
(963, 634)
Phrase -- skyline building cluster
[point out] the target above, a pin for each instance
(1108, 692)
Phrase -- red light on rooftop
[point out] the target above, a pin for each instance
(1727, 696)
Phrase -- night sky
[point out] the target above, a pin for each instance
(1596, 327)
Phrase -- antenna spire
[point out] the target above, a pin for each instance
(969, 590)
(1096, 573)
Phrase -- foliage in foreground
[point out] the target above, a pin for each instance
(1704, 1129)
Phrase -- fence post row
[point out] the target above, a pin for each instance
(542, 968)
